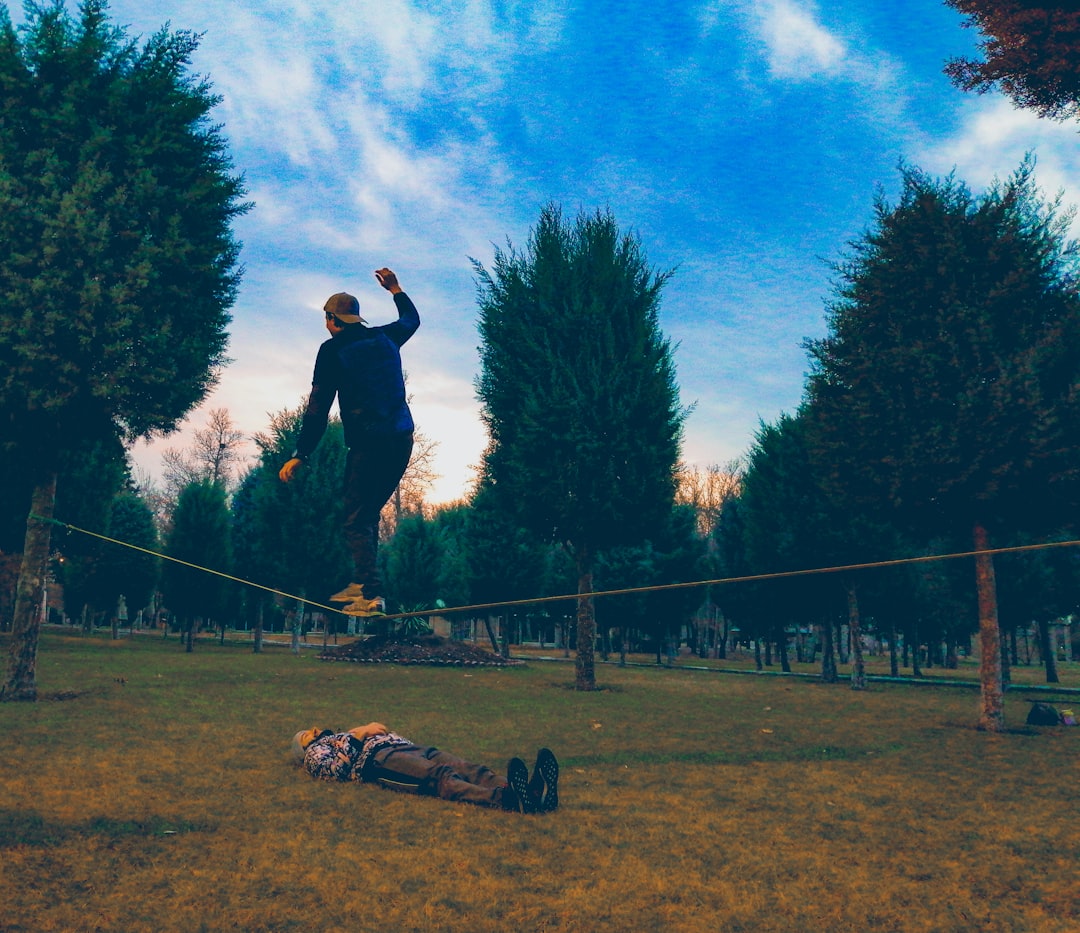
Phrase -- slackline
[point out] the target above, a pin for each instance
(568, 597)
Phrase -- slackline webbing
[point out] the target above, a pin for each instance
(628, 591)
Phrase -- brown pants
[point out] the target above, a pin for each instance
(435, 773)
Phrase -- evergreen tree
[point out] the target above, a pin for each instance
(426, 559)
(625, 568)
(199, 536)
(1032, 54)
(125, 571)
(95, 473)
(578, 394)
(292, 531)
(117, 265)
(948, 385)
(249, 560)
(674, 554)
(1040, 587)
(787, 525)
(452, 524)
(412, 559)
(737, 601)
(504, 561)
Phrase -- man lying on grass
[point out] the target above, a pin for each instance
(375, 755)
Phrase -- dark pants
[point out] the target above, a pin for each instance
(416, 769)
(372, 473)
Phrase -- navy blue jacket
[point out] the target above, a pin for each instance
(361, 367)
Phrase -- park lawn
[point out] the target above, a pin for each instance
(149, 789)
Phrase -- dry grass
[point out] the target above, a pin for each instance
(160, 798)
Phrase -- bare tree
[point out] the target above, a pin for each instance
(419, 477)
(159, 501)
(214, 455)
(708, 490)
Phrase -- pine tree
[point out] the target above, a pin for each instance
(412, 559)
(126, 571)
(578, 394)
(948, 386)
(292, 533)
(117, 265)
(200, 537)
(788, 524)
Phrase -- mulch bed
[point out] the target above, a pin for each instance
(415, 649)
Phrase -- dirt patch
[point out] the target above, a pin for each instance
(415, 649)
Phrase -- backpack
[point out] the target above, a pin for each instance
(1043, 714)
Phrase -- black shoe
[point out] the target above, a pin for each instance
(510, 800)
(517, 775)
(536, 786)
(548, 767)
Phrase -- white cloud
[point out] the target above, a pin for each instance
(787, 45)
(797, 46)
(992, 140)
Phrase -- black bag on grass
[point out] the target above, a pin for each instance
(1043, 714)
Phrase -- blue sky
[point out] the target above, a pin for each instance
(743, 142)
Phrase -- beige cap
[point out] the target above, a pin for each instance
(345, 308)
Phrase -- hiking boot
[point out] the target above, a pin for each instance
(517, 775)
(548, 767)
(347, 595)
(366, 607)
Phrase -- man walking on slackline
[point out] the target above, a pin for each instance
(361, 366)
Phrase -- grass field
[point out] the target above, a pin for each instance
(150, 789)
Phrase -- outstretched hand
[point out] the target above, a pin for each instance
(366, 732)
(388, 280)
(287, 472)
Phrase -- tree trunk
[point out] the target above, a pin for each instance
(828, 654)
(781, 647)
(916, 649)
(491, 634)
(894, 667)
(1006, 670)
(585, 661)
(297, 625)
(952, 660)
(1046, 648)
(858, 667)
(258, 636)
(992, 712)
(21, 683)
